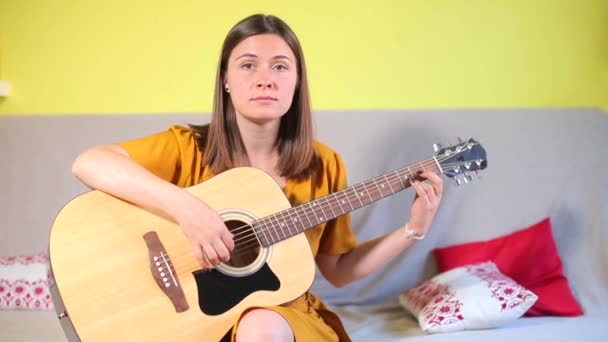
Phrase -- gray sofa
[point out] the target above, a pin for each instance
(542, 162)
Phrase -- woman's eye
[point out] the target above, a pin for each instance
(247, 66)
(280, 67)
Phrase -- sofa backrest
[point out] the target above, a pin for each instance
(541, 162)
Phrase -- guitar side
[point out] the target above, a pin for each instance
(101, 263)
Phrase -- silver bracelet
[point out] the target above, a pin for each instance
(411, 234)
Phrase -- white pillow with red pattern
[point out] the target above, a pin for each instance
(24, 283)
(470, 297)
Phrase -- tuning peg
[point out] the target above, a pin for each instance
(436, 147)
(458, 181)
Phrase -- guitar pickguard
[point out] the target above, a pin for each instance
(218, 292)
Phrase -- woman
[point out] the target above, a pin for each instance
(261, 118)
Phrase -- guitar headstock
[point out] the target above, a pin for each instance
(457, 161)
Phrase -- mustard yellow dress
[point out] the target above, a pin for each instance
(174, 156)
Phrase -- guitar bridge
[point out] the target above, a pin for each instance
(164, 273)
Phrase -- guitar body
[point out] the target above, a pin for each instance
(124, 273)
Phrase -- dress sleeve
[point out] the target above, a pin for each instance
(166, 154)
(338, 236)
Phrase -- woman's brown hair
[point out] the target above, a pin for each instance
(221, 140)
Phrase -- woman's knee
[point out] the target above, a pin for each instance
(263, 325)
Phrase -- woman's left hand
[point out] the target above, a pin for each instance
(426, 202)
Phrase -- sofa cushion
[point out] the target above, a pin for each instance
(530, 257)
(467, 298)
(24, 283)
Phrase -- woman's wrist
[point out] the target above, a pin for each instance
(410, 233)
(179, 204)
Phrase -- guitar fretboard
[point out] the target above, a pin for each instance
(289, 222)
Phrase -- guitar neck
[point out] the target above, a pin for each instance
(289, 222)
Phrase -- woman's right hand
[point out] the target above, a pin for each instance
(211, 240)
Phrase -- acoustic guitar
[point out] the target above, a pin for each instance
(121, 273)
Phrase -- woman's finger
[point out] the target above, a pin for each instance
(430, 192)
(221, 251)
(436, 181)
(228, 240)
(210, 254)
(201, 257)
(421, 192)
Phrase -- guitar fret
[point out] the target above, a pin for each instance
(296, 221)
(343, 200)
(282, 225)
(389, 184)
(346, 199)
(331, 207)
(272, 230)
(411, 173)
(276, 227)
(368, 195)
(287, 224)
(349, 201)
(400, 180)
(320, 211)
(357, 195)
(361, 195)
(354, 198)
(377, 187)
(340, 201)
(262, 229)
(314, 212)
(306, 214)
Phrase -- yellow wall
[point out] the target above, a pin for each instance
(117, 56)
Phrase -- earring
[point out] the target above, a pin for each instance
(227, 88)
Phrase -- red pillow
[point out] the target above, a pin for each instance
(529, 256)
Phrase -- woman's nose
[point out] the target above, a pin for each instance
(264, 84)
(264, 80)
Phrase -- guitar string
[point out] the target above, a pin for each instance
(246, 246)
(390, 177)
(253, 244)
(267, 226)
(342, 195)
(352, 188)
(331, 205)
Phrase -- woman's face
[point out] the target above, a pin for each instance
(261, 78)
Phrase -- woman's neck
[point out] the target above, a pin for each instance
(259, 138)
(260, 142)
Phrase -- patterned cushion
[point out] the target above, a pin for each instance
(512, 254)
(24, 283)
(470, 297)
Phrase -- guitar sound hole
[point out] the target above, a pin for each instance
(246, 246)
